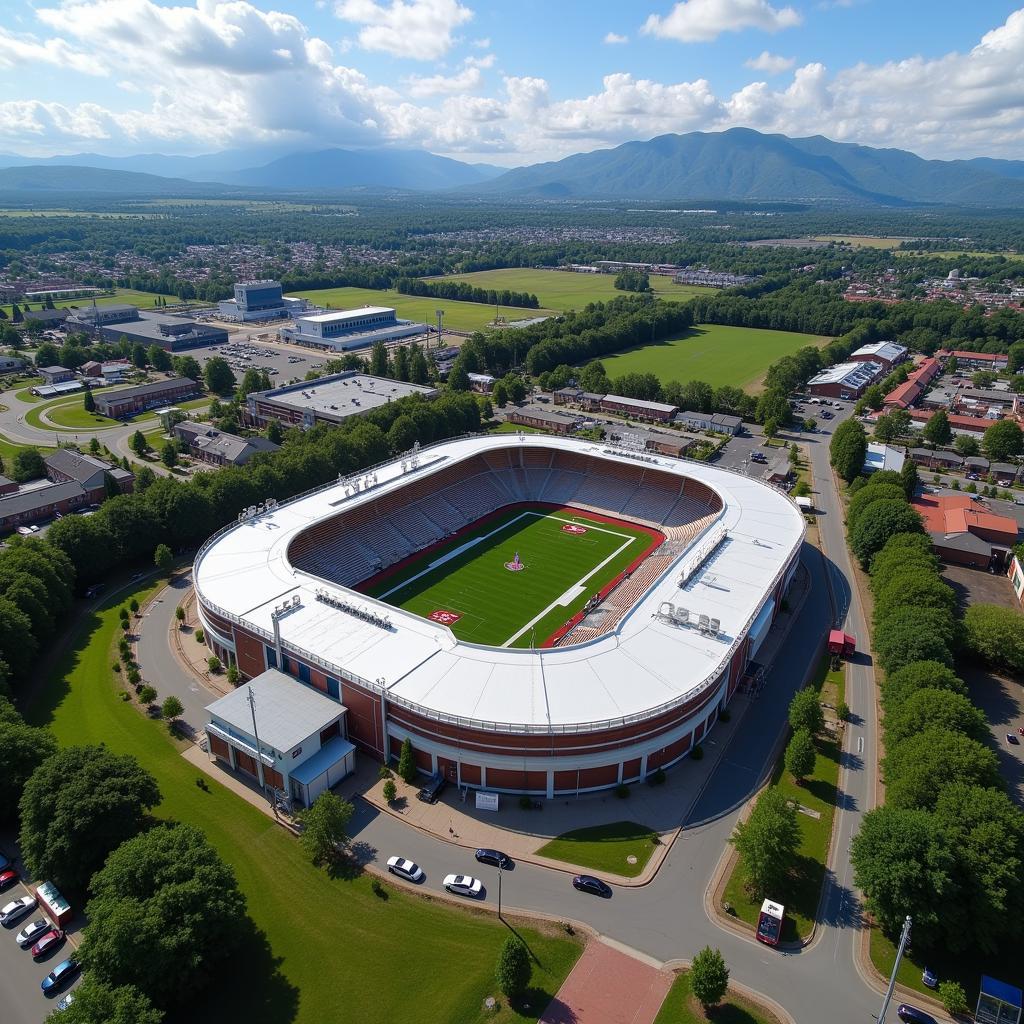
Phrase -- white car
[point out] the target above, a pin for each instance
(31, 932)
(406, 869)
(66, 1001)
(463, 885)
(17, 908)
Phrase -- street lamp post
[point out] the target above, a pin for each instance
(904, 939)
(499, 890)
(259, 754)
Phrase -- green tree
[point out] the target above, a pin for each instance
(378, 360)
(953, 997)
(1003, 441)
(966, 445)
(169, 454)
(147, 693)
(932, 707)
(709, 977)
(516, 387)
(995, 635)
(937, 430)
(159, 358)
(458, 379)
(847, 449)
(389, 790)
(805, 712)
(88, 402)
(218, 376)
(868, 494)
(514, 968)
(910, 478)
(171, 708)
(165, 890)
(800, 755)
(187, 366)
(874, 397)
(97, 1002)
(887, 518)
(77, 806)
(914, 634)
(403, 434)
(919, 768)
(407, 761)
(28, 465)
(903, 864)
(213, 663)
(139, 443)
(768, 841)
(163, 558)
(630, 279)
(500, 394)
(275, 432)
(22, 749)
(771, 427)
(325, 827)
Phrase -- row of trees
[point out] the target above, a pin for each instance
(465, 292)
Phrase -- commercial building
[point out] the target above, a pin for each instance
(302, 747)
(554, 422)
(972, 425)
(208, 444)
(92, 318)
(717, 421)
(66, 464)
(56, 374)
(260, 300)
(129, 401)
(638, 408)
(845, 380)
(970, 361)
(331, 399)
(169, 332)
(112, 372)
(965, 532)
(587, 400)
(347, 329)
(607, 703)
(882, 456)
(888, 353)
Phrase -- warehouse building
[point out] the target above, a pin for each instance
(347, 329)
(169, 332)
(260, 300)
(888, 353)
(331, 399)
(845, 380)
(92, 318)
(302, 747)
(129, 401)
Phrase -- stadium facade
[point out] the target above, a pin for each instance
(628, 688)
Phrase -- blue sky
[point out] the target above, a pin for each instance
(509, 82)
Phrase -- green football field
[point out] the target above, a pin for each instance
(467, 585)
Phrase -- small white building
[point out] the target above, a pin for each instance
(303, 746)
(882, 456)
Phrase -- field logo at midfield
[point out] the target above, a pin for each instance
(446, 618)
(573, 528)
(515, 565)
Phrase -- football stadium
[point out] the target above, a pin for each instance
(537, 614)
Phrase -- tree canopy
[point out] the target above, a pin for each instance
(514, 967)
(805, 712)
(934, 707)
(919, 675)
(709, 977)
(325, 827)
(767, 841)
(996, 635)
(1002, 441)
(847, 449)
(96, 1002)
(889, 516)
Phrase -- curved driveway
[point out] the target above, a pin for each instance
(666, 919)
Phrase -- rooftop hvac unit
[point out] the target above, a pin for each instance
(703, 623)
(716, 626)
(682, 616)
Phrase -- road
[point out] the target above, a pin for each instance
(667, 919)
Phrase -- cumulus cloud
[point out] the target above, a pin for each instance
(770, 63)
(701, 21)
(418, 29)
(439, 85)
(18, 50)
(613, 38)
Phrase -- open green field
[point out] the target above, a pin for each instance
(954, 254)
(713, 353)
(865, 241)
(680, 1007)
(604, 847)
(469, 579)
(562, 290)
(322, 941)
(69, 413)
(144, 300)
(459, 316)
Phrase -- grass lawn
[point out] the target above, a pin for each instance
(8, 450)
(560, 289)
(681, 1008)
(819, 794)
(144, 300)
(866, 241)
(69, 413)
(604, 847)
(321, 942)
(513, 428)
(713, 353)
(468, 576)
(954, 254)
(460, 316)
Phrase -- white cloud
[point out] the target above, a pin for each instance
(439, 85)
(419, 29)
(701, 21)
(770, 63)
(482, 44)
(18, 50)
(613, 39)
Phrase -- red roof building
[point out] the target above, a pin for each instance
(959, 424)
(965, 531)
(977, 360)
(911, 390)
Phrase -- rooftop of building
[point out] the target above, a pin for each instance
(960, 513)
(851, 374)
(346, 314)
(342, 394)
(82, 467)
(887, 350)
(154, 388)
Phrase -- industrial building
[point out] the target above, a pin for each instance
(845, 380)
(129, 401)
(347, 329)
(331, 399)
(92, 318)
(260, 300)
(111, 323)
(888, 353)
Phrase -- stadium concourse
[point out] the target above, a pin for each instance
(654, 641)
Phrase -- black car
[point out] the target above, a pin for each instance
(912, 1015)
(588, 883)
(432, 790)
(495, 857)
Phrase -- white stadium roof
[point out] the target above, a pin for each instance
(244, 574)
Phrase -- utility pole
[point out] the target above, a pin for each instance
(259, 754)
(904, 939)
(439, 313)
(499, 890)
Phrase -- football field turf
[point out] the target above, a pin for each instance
(470, 583)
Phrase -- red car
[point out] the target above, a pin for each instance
(7, 878)
(47, 942)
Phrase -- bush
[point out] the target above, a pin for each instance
(622, 791)
(697, 753)
(525, 803)
(123, 614)
(656, 778)
(514, 968)
(171, 708)
(378, 890)
(995, 635)
(133, 604)
(147, 695)
(200, 636)
(179, 613)
(953, 997)
(233, 676)
(709, 977)
(390, 791)
(843, 711)
(384, 772)
(213, 663)
(134, 677)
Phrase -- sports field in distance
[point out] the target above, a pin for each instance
(713, 353)
(144, 300)
(562, 290)
(460, 316)
(475, 585)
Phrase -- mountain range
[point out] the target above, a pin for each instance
(739, 165)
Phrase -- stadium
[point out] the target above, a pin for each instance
(537, 614)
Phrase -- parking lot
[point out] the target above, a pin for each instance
(283, 364)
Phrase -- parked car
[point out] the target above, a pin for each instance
(930, 978)
(973, 476)
(48, 942)
(406, 869)
(495, 857)
(912, 1015)
(17, 909)
(64, 972)
(28, 935)
(432, 789)
(1010, 738)
(588, 883)
(7, 878)
(463, 885)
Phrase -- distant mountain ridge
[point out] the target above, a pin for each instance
(742, 164)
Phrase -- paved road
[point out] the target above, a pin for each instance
(666, 919)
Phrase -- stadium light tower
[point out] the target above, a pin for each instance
(439, 313)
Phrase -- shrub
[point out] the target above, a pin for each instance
(407, 761)
(213, 663)
(843, 711)
(622, 791)
(123, 613)
(709, 977)
(133, 604)
(233, 676)
(656, 778)
(116, 666)
(179, 613)
(147, 694)
(953, 997)
(390, 791)
(514, 967)
(378, 890)
(384, 772)
(525, 803)
(697, 753)
(200, 635)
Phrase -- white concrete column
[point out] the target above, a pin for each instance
(643, 767)
(620, 772)
(483, 776)
(551, 784)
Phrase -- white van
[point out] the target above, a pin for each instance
(814, 401)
